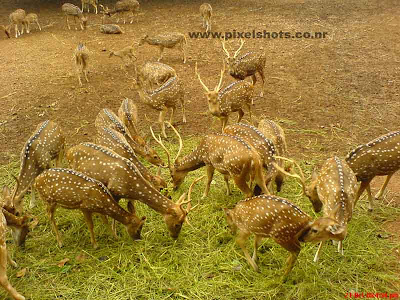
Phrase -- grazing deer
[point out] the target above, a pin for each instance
(206, 13)
(106, 118)
(20, 225)
(379, 157)
(16, 18)
(73, 10)
(166, 96)
(229, 155)
(125, 181)
(233, 98)
(167, 40)
(46, 144)
(87, 3)
(126, 54)
(6, 29)
(116, 141)
(122, 7)
(110, 29)
(74, 190)
(29, 19)
(81, 56)
(275, 133)
(246, 65)
(154, 74)
(268, 216)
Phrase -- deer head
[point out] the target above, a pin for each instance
(231, 61)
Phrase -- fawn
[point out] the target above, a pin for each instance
(206, 13)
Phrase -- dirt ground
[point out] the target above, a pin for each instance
(330, 94)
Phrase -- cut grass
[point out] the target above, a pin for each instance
(204, 263)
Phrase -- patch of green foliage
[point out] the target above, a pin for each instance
(204, 262)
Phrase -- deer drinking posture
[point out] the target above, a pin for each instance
(16, 18)
(122, 7)
(229, 155)
(206, 13)
(154, 74)
(268, 216)
(125, 181)
(246, 65)
(81, 57)
(231, 99)
(74, 11)
(45, 145)
(74, 190)
(166, 96)
(379, 157)
(29, 19)
(106, 118)
(167, 40)
(87, 3)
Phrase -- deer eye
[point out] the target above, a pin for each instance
(314, 230)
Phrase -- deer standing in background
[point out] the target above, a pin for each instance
(221, 103)
(166, 96)
(29, 19)
(275, 133)
(74, 11)
(167, 40)
(246, 65)
(229, 155)
(122, 7)
(46, 144)
(268, 216)
(125, 181)
(81, 56)
(379, 157)
(206, 13)
(106, 118)
(16, 18)
(87, 3)
(74, 190)
(154, 74)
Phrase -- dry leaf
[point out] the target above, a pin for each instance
(21, 273)
(63, 262)
(81, 257)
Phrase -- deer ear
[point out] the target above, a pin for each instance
(227, 212)
(131, 207)
(336, 229)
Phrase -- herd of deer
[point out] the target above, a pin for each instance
(103, 172)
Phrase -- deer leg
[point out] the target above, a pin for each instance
(161, 121)
(89, 222)
(132, 15)
(257, 242)
(210, 174)
(294, 248)
(361, 189)
(240, 115)
(3, 275)
(16, 31)
(161, 53)
(183, 109)
(32, 203)
(380, 193)
(224, 121)
(172, 115)
(318, 253)
(10, 260)
(340, 247)
(240, 182)
(76, 28)
(241, 241)
(51, 208)
(183, 51)
(40, 28)
(66, 20)
(85, 73)
(261, 72)
(249, 108)
(228, 188)
(370, 199)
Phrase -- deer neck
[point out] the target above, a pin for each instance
(191, 162)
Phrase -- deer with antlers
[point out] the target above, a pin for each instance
(379, 157)
(121, 8)
(206, 13)
(246, 65)
(45, 145)
(268, 216)
(166, 40)
(166, 96)
(154, 74)
(229, 155)
(125, 181)
(106, 118)
(74, 11)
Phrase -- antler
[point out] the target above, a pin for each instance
(162, 145)
(15, 190)
(223, 47)
(201, 81)
(218, 87)
(180, 140)
(300, 177)
(240, 47)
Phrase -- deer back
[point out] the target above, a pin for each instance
(17, 16)
(167, 95)
(379, 157)
(155, 73)
(275, 133)
(232, 98)
(72, 10)
(246, 65)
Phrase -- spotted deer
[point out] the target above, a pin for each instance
(229, 155)
(17, 18)
(116, 141)
(166, 96)
(221, 103)
(154, 74)
(81, 57)
(106, 118)
(166, 40)
(124, 180)
(121, 8)
(45, 145)
(87, 3)
(206, 13)
(246, 65)
(268, 216)
(29, 19)
(20, 224)
(264, 147)
(71, 189)
(272, 131)
(379, 157)
(74, 11)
